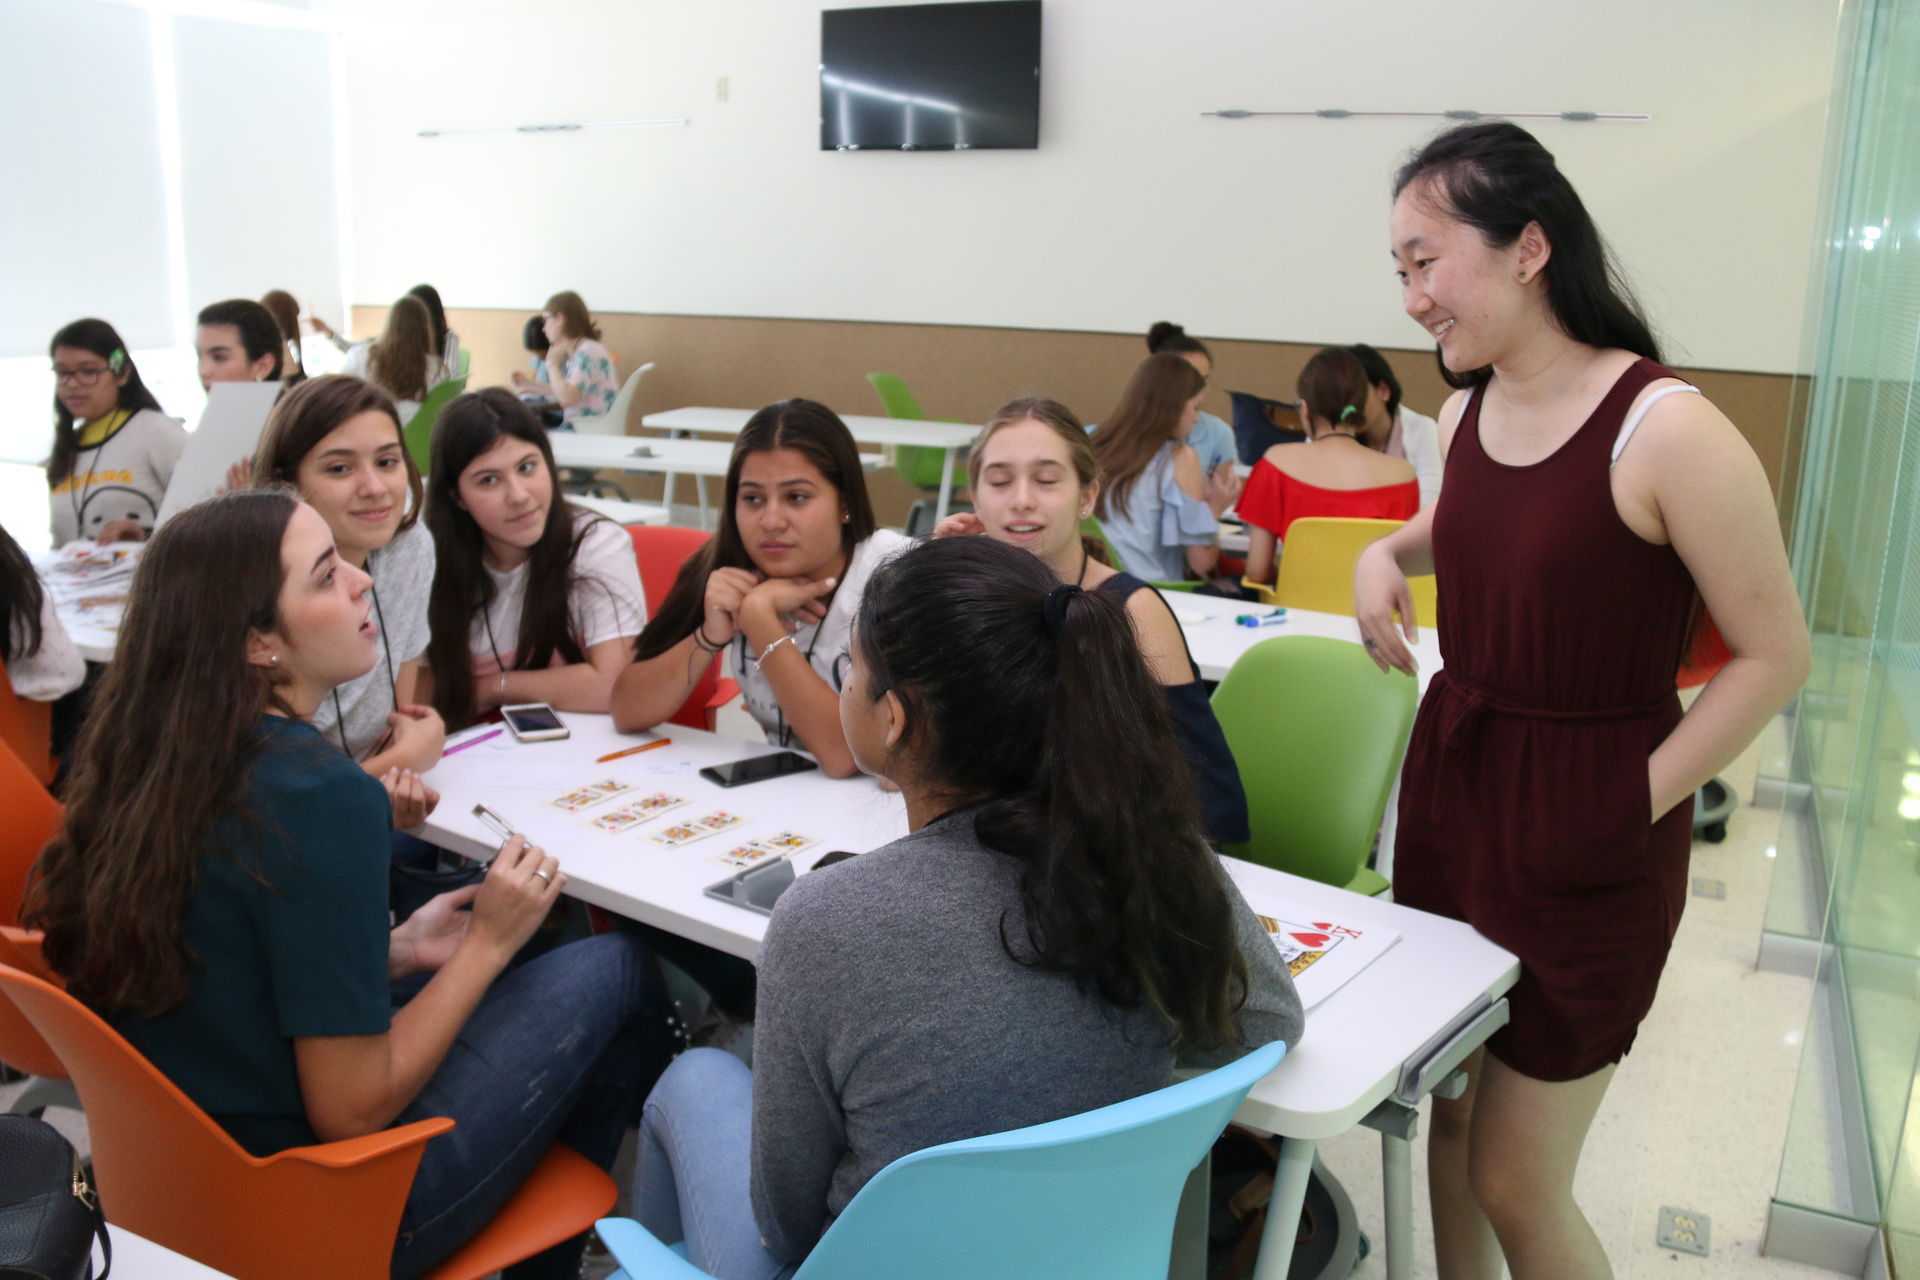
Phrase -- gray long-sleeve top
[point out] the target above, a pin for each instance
(890, 1019)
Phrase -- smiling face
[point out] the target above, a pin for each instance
(326, 633)
(356, 478)
(85, 384)
(1468, 295)
(223, 356)
(508, 491)
(1029, 495)
(789, 515)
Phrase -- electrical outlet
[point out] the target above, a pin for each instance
(720, 89)
(1683, 1230)
(1705, 888)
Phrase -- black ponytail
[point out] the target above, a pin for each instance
(1033, 697)
(1496, 177)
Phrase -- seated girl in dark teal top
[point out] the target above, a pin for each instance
(219, 891)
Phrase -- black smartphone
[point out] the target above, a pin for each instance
(739, 773)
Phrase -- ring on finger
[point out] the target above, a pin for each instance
(1367, 644)
(545, 875)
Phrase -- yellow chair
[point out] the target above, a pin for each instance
(1316, 567)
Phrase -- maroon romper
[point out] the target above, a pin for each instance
(1525, 808)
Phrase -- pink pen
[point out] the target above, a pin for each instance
(473, 742)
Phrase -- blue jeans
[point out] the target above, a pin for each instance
(560, 1049)
(693, 1179)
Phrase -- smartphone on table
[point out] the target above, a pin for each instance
(534, 722)
(739, 773)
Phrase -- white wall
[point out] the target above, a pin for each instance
(1134, 208)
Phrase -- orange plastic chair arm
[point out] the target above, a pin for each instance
(349, 1152)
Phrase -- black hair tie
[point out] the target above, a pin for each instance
(1056, 605)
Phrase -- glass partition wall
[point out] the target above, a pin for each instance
(1851, 1167)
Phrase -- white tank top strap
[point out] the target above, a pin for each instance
(1639, 414)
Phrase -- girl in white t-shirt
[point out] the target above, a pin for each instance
(113, 449)
(777, 587)
(534, 600)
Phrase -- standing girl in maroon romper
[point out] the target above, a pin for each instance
(1591, 501)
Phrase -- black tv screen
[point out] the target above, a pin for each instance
(931, 77)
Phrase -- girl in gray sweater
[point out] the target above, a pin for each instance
(1052, 937)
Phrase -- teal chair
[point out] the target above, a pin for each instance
(1091, 528)
(418, 432)
(1092, 1195)
(919, 466)
(1318, 732)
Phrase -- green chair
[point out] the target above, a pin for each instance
(1091, 528)
(465, 365)
(919, 466)
(1318, 732)
(418, 432)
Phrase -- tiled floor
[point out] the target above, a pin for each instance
(1697, 1114)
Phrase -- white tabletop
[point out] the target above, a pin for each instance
(139, 1257)
(89, 608)
(1356, 1039)
(1216, 640)
(651, 453)
(867, 430)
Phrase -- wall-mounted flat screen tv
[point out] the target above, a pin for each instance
(931, 77)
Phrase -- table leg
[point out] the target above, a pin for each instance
(1396, 1169)
(1389, 832)
(940, 510)
(1283, 1209)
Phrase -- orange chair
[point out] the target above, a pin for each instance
(32, 816)
(166, 1171)
(660, 551)
(26, 726)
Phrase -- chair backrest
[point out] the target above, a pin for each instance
(26, 727)
(463, 367)
(660, 550)
(1316, 565)
(614, 421)
(22, 1047)
(918, 465)
(1318, 732)
(166, 1171)
(32, 816)
(1260, 423)
(1091, 1195)
(418, 433)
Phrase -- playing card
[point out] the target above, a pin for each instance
(608, 786)
(718, 820)
(750, 854)
(578, 799)
(614, 821)
(787, 841)
(680, 833)
(657, 803)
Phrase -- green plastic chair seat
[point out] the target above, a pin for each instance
(418, 433)
(1318, 732)
(1093, 1195)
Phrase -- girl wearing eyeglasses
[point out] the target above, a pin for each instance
(113, 449)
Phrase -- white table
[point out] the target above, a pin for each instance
(652, 455)
(1217, 641)
(1351, 1061)
(950, 437)
(139, 1257)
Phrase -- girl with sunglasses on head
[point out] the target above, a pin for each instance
(534, 599)
(218, 892)
(1053, 936)
(1033, 480)
(776, 587)
(337, 440)
(1333, 472)
(113, 449)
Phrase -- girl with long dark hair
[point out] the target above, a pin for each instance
(1333, 472)
(776, 587)
(39, 656)
(1052, 937)
(218, 891)
(1394, 429)
(404, 360)
(1593, 503)
(1033, 480)
(285, 310)
(534, 599)
(1211, 437)
(337, 440)
(445, 340)
(1154, 505)
(113, 448)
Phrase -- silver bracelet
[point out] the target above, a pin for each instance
(768, 651)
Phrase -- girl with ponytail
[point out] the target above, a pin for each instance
(1332, 472)
(1053, 936)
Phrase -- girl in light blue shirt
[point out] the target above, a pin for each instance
(1154, 505)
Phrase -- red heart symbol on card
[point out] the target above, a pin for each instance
(1311, 941)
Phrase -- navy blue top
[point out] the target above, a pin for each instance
(287, 923)
(1216, 778)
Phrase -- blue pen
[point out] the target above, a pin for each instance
(1273, 619)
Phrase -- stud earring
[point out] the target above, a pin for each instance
(274, 658)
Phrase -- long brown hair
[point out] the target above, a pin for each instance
(304, 416)
(470, 425)
(286, 313)
(102, 340)
(398, 363)
(1062, 422)
(573, 312)
(1146, 418)
(164, 755)
(811, 430)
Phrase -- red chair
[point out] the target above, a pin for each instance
(26, 726)
(1707, 652)
(660, 550)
